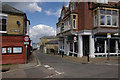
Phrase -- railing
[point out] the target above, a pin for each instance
(105, 54)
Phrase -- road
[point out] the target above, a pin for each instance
(58, 67)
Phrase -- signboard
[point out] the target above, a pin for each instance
(75, 39)
(108, 35)
(26, 38)
(26, 43)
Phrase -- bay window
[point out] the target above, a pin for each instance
(69, 22)
(102, 19)
(106, 17)
(108, 20)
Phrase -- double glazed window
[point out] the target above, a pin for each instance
(107, 18)
(3, 23)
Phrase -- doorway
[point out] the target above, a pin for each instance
(85, 45)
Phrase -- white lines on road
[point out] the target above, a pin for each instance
(51, 68)
(46, 66)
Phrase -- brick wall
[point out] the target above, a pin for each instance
(14, 41)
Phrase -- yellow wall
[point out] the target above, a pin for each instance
(12, 24)
(43, 41)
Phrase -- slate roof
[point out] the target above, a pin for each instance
(52, 42)
(9, 9)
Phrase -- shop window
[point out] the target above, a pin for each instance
(17, 49)
(9, 50)
(4, 50)
(99, 46)
(71, 47)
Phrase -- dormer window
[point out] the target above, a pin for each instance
(72, 6)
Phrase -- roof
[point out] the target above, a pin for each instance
(52, 42)
(9, 9)
(48, 37)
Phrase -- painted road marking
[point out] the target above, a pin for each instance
(46, 66)
(51, 68)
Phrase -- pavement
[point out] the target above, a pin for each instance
(54, 66)
(114, 60)
(32, 62)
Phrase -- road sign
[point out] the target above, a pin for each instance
(26, 38)
(108, 35)
(75, 39)
(26, 43)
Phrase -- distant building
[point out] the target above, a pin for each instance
(45, 39)
(83, 26)
(51, 45)
(14, 26)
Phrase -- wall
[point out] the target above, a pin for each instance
(13, 41)
(12, 24)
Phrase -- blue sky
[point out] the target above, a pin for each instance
(42, 15)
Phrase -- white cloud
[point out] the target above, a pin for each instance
(57, 12)
(41, 30)
(26, 6)
(51, 12)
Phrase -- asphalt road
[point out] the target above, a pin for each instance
(70, 69)
(58, 67)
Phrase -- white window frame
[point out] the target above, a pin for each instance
(117, 21)
(106, 20)
(75, 24)
(5, 15)
(95, 21)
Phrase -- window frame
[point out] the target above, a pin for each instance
(106, 15)
(104, 20)
(11, 50)
(1, 17)
(107, 19)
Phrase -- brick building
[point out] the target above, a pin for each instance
(83, 26)
(14, 26)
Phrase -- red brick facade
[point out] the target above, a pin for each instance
(14, 58)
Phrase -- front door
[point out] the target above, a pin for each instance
(85, 45)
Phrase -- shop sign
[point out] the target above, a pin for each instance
(108, 35)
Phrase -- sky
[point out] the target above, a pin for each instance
(43, 17)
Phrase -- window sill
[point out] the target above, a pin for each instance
(3, 31)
